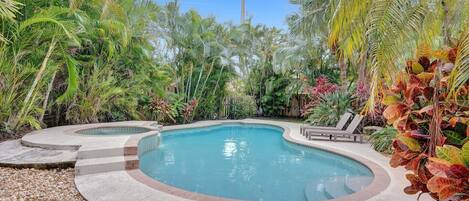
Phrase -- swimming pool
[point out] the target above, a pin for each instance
(250, 162)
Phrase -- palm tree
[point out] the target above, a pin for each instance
(382, 29)
(55, 27)
(8, 11)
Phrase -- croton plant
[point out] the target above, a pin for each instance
(433, 132)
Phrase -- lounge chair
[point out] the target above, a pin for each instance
(340, 125)
(347, 133)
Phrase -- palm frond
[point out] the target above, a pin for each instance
(9, 9)
(460, 73)
(52, 16)
(72, 85)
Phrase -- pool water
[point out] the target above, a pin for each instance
(112, 131)
(250, 162)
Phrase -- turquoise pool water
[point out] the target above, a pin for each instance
(250, 162)
(112, 131)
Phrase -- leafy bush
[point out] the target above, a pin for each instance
(382, 140)
(322, 86)
(329, 109)
(242, 107)
(276, 98)
(188, 109)
(433, 132)
(164, 110)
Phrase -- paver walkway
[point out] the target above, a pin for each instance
(13, 154)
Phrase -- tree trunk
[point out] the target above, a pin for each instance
(362, 68)
(446, 29)
(40, 72)
(343, 72)
(46, 99)
(38, 78)
(362, 77)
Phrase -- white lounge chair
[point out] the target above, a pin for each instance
(339, 126)
(347, 133)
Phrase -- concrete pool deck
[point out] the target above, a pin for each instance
(106, 165)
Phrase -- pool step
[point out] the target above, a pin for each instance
(341, 186)
(88, 153)
(355, 184)
(334, 188)
(315, 191)
(107, 164)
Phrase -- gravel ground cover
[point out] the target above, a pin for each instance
(34, 184)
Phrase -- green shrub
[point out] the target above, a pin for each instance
(329, 109)
(241, 107)
(276, 98)
(382, 140)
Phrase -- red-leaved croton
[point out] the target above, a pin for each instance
(433, 132)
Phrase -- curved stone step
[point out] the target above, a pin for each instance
(335, 187)
(107, 164)
(355, 184)
(315, 191)
(14, 154)
(87, 153)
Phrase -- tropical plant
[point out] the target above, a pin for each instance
(47, 81)
(241, 107)
(195, 48)
(381, 140)
(433, 131)
(321, 87)
(329, 109)
(377, 32)
(275, 99)
(164, 111)
(188, 109)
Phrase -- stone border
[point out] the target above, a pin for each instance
(381, 179)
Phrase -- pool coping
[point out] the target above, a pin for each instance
(381, 179)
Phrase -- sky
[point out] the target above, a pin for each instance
(268, 12)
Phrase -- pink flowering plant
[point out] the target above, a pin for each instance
(322, 87)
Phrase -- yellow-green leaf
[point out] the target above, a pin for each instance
(425, 76)
(450, 153)
(465, 153)
(390, 99)
(411, 143)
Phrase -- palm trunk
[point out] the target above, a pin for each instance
(46, 99)
(40, 72)
(189, 82)
(218, 80)
(362, 79)
(362, 68)
(343, 72)
(206, 79)
(198, 82)
(38, 78)
(446, 29)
